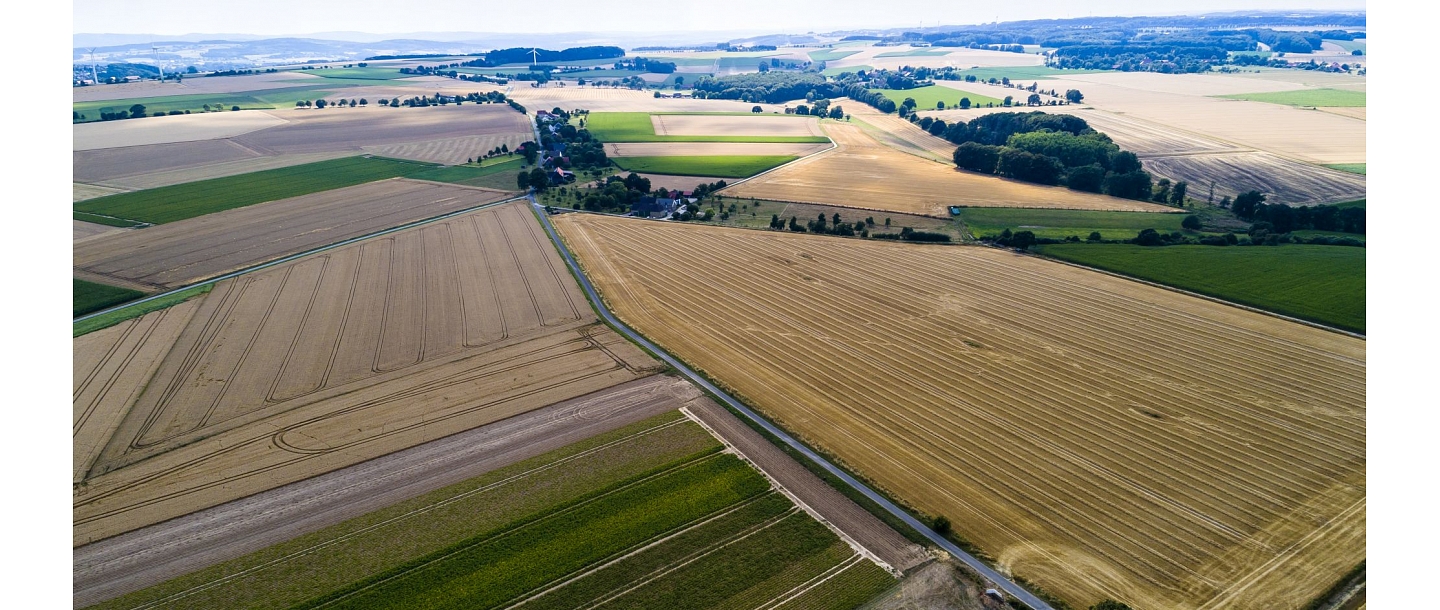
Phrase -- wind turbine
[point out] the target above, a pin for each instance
(93, 75)
(154, 50)
(534, 57)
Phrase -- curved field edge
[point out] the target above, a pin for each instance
(1324, 284)
(90, 325)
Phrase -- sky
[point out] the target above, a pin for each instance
(291, 17)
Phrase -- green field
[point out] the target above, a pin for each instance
(255, 100)
(1324, 284)
(839, 71)
(1059, 224)
(1022, 73)
(89, 296)
(1354, 168)
(830, 54)
(107, 320)
(636, 127)
(1358, 203)
(471, 173)
(1350, 45)
(366, 73)
(1306, 97)
(917, 53)
(191, 199)
(106, 220)
(927, 97)
(720, 166)
(648, 516)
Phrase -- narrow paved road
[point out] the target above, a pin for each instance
(1000, 581)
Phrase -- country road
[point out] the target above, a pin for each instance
(1000, 580)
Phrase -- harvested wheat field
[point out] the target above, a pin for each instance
(700, 149)
(1098, 436)
(1354, 112)
(333, 359)
(179, 253)
(862, 173)
(221, 169)
(355, 128)
(102, 165)
(451, 151)
(192, 86)
(730, 125)
(902, 135)
(168, 129)
(81, 192)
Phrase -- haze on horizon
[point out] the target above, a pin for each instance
(273, 17)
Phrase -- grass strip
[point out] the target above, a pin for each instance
(1324, 284)
(928, 97)
(1059, 224)
(90, 296)
(106, 220)
(191, 199)
(719, 166)
(490, 569)
(1331, 98)
(99, 322)
(1354, 168)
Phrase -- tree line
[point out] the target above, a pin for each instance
(1050, 149)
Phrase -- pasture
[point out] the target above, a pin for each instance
(387, 343)
(863, 173)
(1060, 224)
(1324, 284)
(650, 515)
(641, 127)
(1339, 98)
(90, 296)
(831, 54)
(198, 102)
(926, 98)
(1096, 436)
(727, 166)
(1354, 168)
(184, 252)
(181, 201)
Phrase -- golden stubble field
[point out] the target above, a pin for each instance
(1100, 437)
(863, 173)
(278, 375)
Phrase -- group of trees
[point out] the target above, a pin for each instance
(579, 148)
(138, 111)
(1251, 206)
(523, 55)
(646, 65)
(821, 108)
(341, 104)
(771, 87)
(1047, 149)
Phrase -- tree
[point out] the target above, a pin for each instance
(1246, 204)
(1022, 240)
(539, 179)
(1191, 222)
(837, 113)
(235, 108)
(908, 104)
(941, 525)
(1149, 237)
(755, 109)
(522, 180)
(319, 103)
(1074, 96)
(1094, 236)
(1177, 193)
(1109, 604)
(137, 111)
(363, 101)
(940, 105)
(1033, 100)
(764, 66)
(1008, 100)
(964, 103)
(775, 222)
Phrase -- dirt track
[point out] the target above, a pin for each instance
(180, 253)
(339, 357)
(1100, 437)
(141, 558)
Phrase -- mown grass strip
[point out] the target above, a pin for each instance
(1354, 168)
(1306, 97)
(1324, 284)
(620, 127)
(489, 570)
(90, 296)
(191, 199)
(99, 322)
(1059, 224)
(722, 166)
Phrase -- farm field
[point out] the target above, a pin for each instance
(1354, 112)
(630, 518)
(139, 91)
(1059, 224)
(184, 252)
(831, 54)
(469, 173)
(990, 387)
(606, 99)
(169, 129)
(1028, 73)
(958, 57)
(182, 201)
(902, 135)
(921, 52)
(863, 173)
(219, 103)
(926, 98)
(366, 73)
(729, 166)
(214, 170)
(1354, 168)
(1324, 284)
(756, 215)
(398, 340)
(839, 71)
(83, 229)
(1339, 98)
(90, 296)
(710, 149)
(644, 127)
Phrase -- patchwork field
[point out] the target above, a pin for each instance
(90, 296)
(216, 170)
(862, 173)
(645, 127)
(379, 345)
(191, 199)
(1324, 284)
(184, 252)
(607, 99)
(902, 135)
(190, 86)
(1100, 437)
(731, 166)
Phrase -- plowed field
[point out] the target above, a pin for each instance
(1100, 437)
(333, 359)
(863, 173)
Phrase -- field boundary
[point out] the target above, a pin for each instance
(286, 259)
(1005, 584)
(1195, 294)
